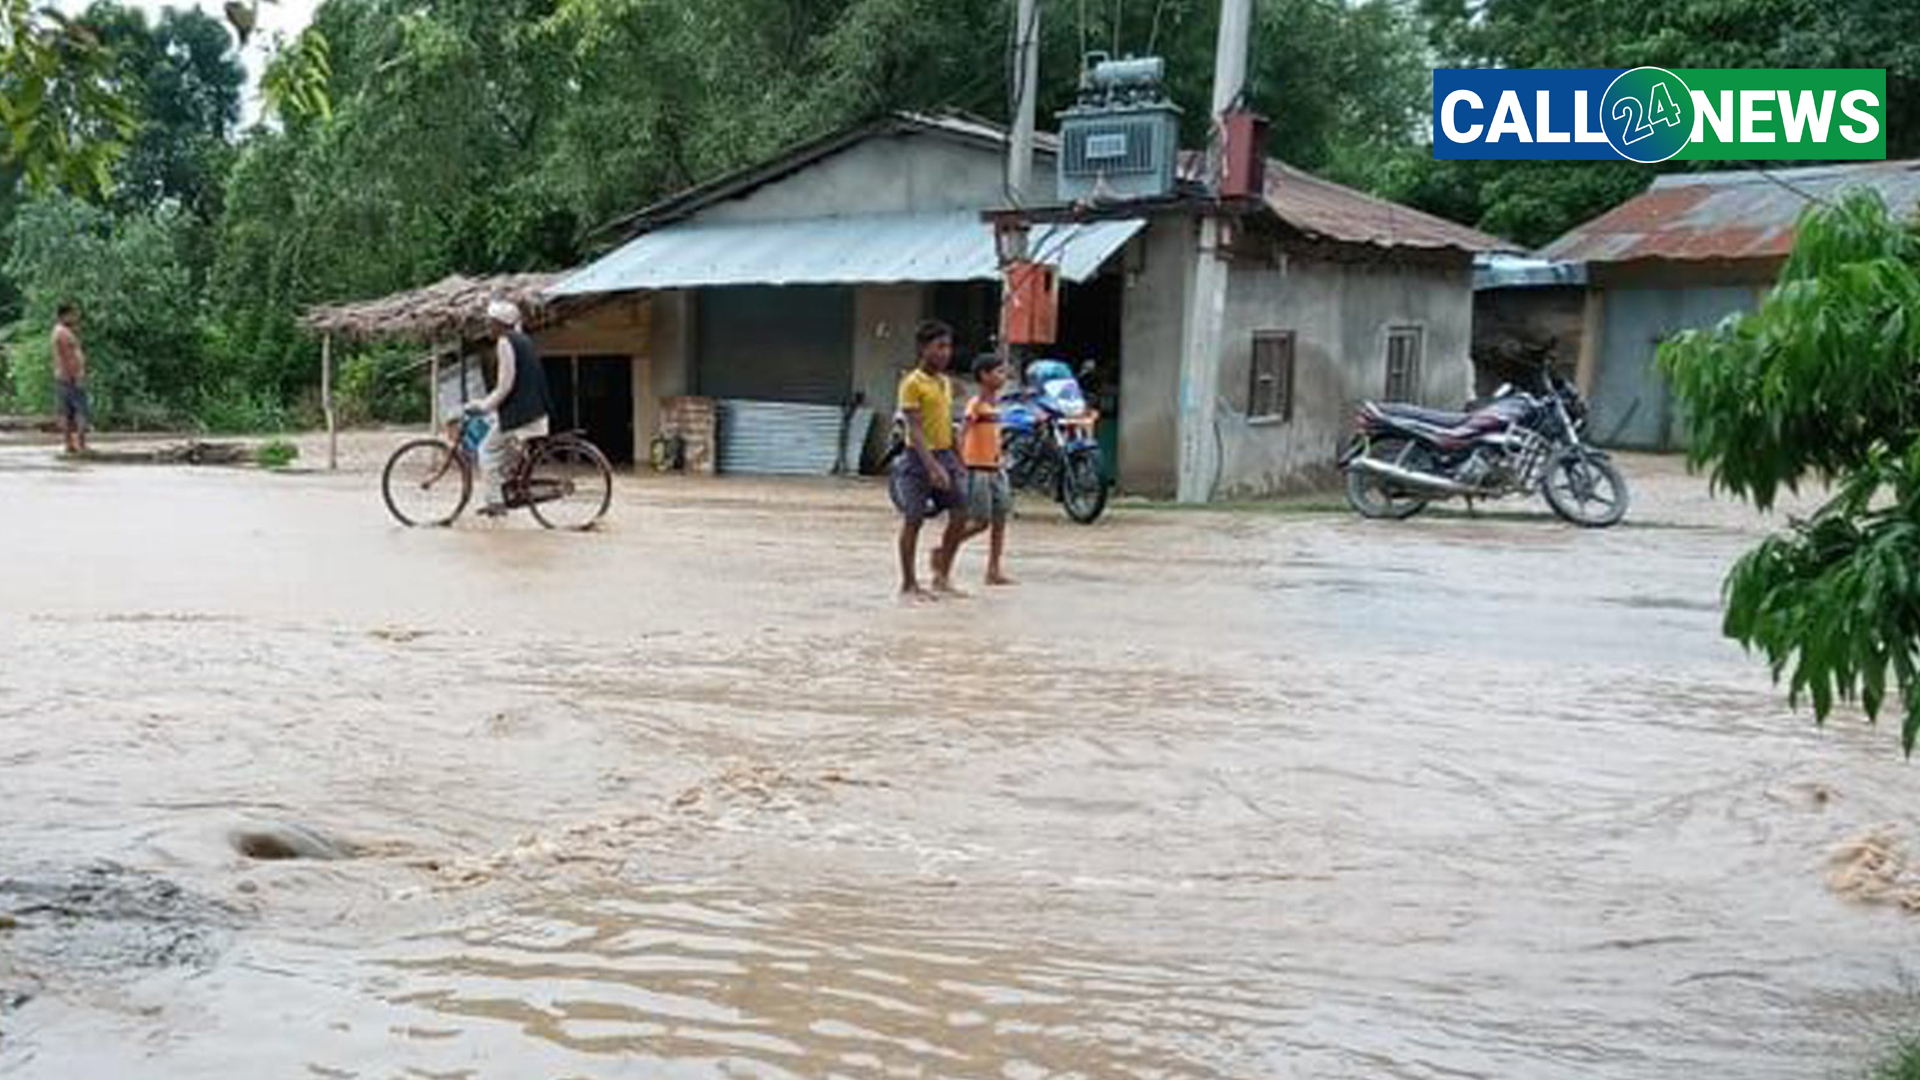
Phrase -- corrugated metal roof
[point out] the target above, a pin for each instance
(1730, 215)
(835, 251)
(1326, 210)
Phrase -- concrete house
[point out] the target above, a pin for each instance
(1687, 252)
(788, 293)
(1333, 296)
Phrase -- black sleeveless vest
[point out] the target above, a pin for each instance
(528, 400)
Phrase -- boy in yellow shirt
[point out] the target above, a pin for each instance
(928, 479)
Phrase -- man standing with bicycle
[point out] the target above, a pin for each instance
(517, 407)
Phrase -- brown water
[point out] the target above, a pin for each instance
(1208, 796)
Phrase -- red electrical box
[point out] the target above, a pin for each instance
(1243, 156)
(1030, 312)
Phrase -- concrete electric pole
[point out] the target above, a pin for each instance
(1199, 463)
(1026, 32)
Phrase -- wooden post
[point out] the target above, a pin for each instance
(433, 391)
(1592, 320)
(326, 400)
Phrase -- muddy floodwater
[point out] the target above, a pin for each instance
(1210, 795)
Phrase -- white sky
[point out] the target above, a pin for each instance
(285, 17)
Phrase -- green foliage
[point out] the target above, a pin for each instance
(276, 454)
(66, 120)
(295, 83)
(182, 79)
(231, 408)
(409, 139)
(1903, 1063)
(1822, 382)
(142, 329)
(1535, 201)
(382, 386)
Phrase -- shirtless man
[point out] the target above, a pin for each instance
(70, 377)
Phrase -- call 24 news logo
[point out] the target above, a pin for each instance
(1650, 114)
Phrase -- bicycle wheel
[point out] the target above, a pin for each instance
(426, 483)
(569, 484)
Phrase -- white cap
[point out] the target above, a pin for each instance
(504, 312)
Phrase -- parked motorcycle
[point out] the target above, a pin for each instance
(1403, 457)
(1047, 440)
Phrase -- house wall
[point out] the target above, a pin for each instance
(913, 173)
(621, 331)
(1339, 308)
(614, 328)
(899, 174)
(1340, 313)
(1636, 306)
(884, 318)
(1159, 277)
(671, 372)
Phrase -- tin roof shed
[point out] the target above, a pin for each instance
(1748, 214)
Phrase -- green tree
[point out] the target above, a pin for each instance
(477, 136)
(143, 327)
(182, 79)
(1822, 384)
(66, 118)
(1535, 201)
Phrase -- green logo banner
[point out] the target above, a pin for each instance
(1786, 114)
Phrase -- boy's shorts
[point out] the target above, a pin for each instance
(914, 492)
(989, 496)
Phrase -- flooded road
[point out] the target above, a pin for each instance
(1209, 795)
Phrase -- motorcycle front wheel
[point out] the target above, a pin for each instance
(1375, 497)
(1083, 491)
(1586, 490)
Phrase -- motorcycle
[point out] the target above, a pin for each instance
(1403, 457)
(1047, 440)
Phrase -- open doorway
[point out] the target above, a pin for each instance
(1090, 327)
(594, 394)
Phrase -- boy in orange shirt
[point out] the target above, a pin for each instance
(989, 496)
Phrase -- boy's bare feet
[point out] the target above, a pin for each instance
(917, 595)
(945, 588)
(999, 580)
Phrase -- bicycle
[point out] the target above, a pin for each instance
(562, 478)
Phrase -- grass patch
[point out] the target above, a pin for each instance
(276, 454)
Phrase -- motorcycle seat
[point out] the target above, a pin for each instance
(1445, 418)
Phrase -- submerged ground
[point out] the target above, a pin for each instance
(1209, 795)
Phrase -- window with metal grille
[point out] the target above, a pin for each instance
(1403, 363)
(1270, 390)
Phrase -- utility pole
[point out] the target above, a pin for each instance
(1199, 464)
(1010, 238)
(1026, 31)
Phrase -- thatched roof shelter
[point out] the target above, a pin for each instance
(446, 315)
(451, 310)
